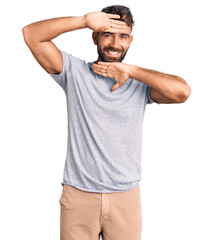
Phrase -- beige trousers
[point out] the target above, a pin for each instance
(89, 215)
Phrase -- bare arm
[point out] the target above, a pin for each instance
(38, 35)
(165, 88)
(38, 38)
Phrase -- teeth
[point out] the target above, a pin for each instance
(113, 52)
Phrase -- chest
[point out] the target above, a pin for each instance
(90, 93)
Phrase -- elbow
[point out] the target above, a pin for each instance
(24, 32)
(184, 94)
(27, 34)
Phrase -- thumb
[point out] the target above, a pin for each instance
(114, 87)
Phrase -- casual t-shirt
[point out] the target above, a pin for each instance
(104, 144)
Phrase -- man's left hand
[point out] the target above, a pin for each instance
(117, 70)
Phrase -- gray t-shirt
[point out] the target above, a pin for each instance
(104, 144)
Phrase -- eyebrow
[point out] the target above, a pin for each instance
(124, 34)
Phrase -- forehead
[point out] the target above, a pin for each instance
(122, 31)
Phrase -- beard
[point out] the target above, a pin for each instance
(105, 58)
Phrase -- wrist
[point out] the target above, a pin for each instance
(132, 70)
(84, 21)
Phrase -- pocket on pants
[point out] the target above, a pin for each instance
(65, 198)
(138, 197)
(62, 195)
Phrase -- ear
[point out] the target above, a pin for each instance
(131, 39)
(95, 37)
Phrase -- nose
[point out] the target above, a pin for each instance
(115, 43)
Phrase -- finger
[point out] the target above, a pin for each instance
(100, 70)
(118, 22)
(115, 86)
(99, 66)
(100, 73)
(118, 26)
(114, 30)
(104, 63)
(113, 15)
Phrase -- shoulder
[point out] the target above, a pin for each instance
(70, 57)
(73, 63)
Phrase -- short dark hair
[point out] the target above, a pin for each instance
(124, 12)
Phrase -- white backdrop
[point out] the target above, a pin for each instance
(173, 37)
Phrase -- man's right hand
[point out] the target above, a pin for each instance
(101, 22)
(38, 35)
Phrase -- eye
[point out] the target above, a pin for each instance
(107, 35)
(124, 36)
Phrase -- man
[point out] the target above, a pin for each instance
(106, 101)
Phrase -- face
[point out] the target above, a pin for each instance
(112, 47)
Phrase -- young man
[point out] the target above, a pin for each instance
(106, 100)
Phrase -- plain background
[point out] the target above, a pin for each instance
(173, 37)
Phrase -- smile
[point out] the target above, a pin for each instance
(113, 53)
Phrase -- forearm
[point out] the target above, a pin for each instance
(49, 29)
(166, 84)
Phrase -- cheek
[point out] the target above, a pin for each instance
(125, 44)
(103, 42)
(126, 47)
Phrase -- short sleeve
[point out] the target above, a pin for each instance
(61, 78)
(149, 100)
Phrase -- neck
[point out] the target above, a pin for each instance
(98, 60)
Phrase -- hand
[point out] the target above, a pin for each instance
(117, 70)
(101, 21)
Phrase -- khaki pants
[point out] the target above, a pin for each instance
(89, 215)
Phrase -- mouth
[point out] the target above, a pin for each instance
(113, 53)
